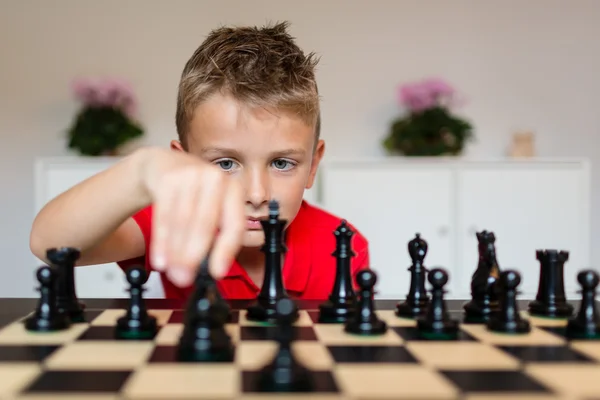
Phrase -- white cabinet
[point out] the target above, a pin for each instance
(56, 175)
(528, 204)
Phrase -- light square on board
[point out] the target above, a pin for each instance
(67, 396)
(17, 334)
(109, 317)
(303, 319)
(573, 379)
(589, 348)
(255, 355)
(101, 355)
(461, 355)
(169, 334)
(536, 336)
(542, 321)
(183, 381)
(334, 334)
(407, 381)
(16, 376)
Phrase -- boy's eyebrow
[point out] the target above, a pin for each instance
(225, 150)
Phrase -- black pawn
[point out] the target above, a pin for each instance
(137, 324)
(342, 300)
(284, 373)
(47, 317)
(417, 299)
(204, 338)
(436, 324)
(508, 319)
(550, 300)
(64, 259)
(272, 289)
(586, 324)
(364, 320)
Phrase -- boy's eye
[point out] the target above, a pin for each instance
(283, 164)
(225, 164)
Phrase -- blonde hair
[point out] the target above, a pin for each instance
(262, 67)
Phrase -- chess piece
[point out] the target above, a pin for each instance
(136, 324)
(508, 319)
(484, 287)
(204, 338)
(47, 317)
(586, 324)
(436, 323)
(417, 299)
(550, 300)
(285, 373)
(272, 288)
(364, 320)
(340, 305)
(64, 259)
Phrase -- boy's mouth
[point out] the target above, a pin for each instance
(253, 223)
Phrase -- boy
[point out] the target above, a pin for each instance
(248, 123)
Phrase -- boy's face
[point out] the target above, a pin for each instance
(273, 154)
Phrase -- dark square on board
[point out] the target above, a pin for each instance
(21, 353)
(472, 381)
(411, 333)
(177, 317)
(66, 381)
(271, 332)
(104, 333)
(168, 354)
(545, 354)
(324, 382)
(370, 354)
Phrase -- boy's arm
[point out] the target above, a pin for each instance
(192, 200)
(95, 216)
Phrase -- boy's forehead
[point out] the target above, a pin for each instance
(222, 120)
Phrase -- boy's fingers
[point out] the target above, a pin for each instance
(163, 204)
(203, 225)
(233, 226)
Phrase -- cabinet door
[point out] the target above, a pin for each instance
(528, 207)
(389, 203)
(94, 281)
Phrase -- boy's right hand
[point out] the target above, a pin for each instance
(197, 209)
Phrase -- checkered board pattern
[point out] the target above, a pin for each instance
(85, 362)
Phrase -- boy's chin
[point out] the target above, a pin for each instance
(253, 238)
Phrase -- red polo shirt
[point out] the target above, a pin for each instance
(309, 267)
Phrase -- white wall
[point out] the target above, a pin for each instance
(522, 64)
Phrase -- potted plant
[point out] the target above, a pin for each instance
(429, 127)
(106, 119)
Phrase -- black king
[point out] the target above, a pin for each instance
(272, 290)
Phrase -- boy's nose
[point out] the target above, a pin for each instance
(257, 189)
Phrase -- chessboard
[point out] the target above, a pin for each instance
(87, 362)
(348, 346)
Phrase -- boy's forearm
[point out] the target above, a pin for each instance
(94, 208)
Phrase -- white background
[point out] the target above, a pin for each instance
(521, 64)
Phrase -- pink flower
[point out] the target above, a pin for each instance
(425, 94)
(108, 92)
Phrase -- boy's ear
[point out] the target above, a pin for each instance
(176, 145)
(316, 159)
